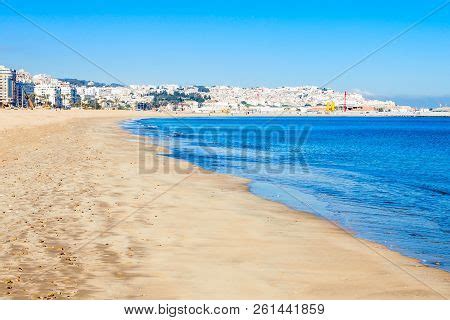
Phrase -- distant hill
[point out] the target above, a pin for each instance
(80, 83)
(417, 101)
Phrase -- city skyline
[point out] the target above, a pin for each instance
(418, 101)
(262, 44)
(21, 89)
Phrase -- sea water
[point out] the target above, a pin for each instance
(385, 179)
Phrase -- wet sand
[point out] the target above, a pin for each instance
(79, 220)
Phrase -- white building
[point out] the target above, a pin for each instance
(7, 87)
(42, 79)
(170, 88)
(48, 94)
(69, 95)
(24, 76)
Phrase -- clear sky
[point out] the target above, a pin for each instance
(244, 43)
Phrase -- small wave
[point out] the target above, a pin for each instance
(437, 190)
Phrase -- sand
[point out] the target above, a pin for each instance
(79, 220)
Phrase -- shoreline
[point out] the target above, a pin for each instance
(262, 249)
(292, 206)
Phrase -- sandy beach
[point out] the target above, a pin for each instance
(79, 220)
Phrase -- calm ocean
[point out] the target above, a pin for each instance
(384, 179)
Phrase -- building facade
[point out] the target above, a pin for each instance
(24, 76)
(24, 90)
(8, 94)
(69, 95)
(48, 94)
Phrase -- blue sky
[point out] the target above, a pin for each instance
(245, 43)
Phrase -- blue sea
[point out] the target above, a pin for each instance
(383, 179)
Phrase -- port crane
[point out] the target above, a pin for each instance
(331, 106)
(345, 101)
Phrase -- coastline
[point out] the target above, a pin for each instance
(189, 234)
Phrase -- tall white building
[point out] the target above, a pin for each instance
(68, 95)
(7, 87)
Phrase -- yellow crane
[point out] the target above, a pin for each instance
(331, 106)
